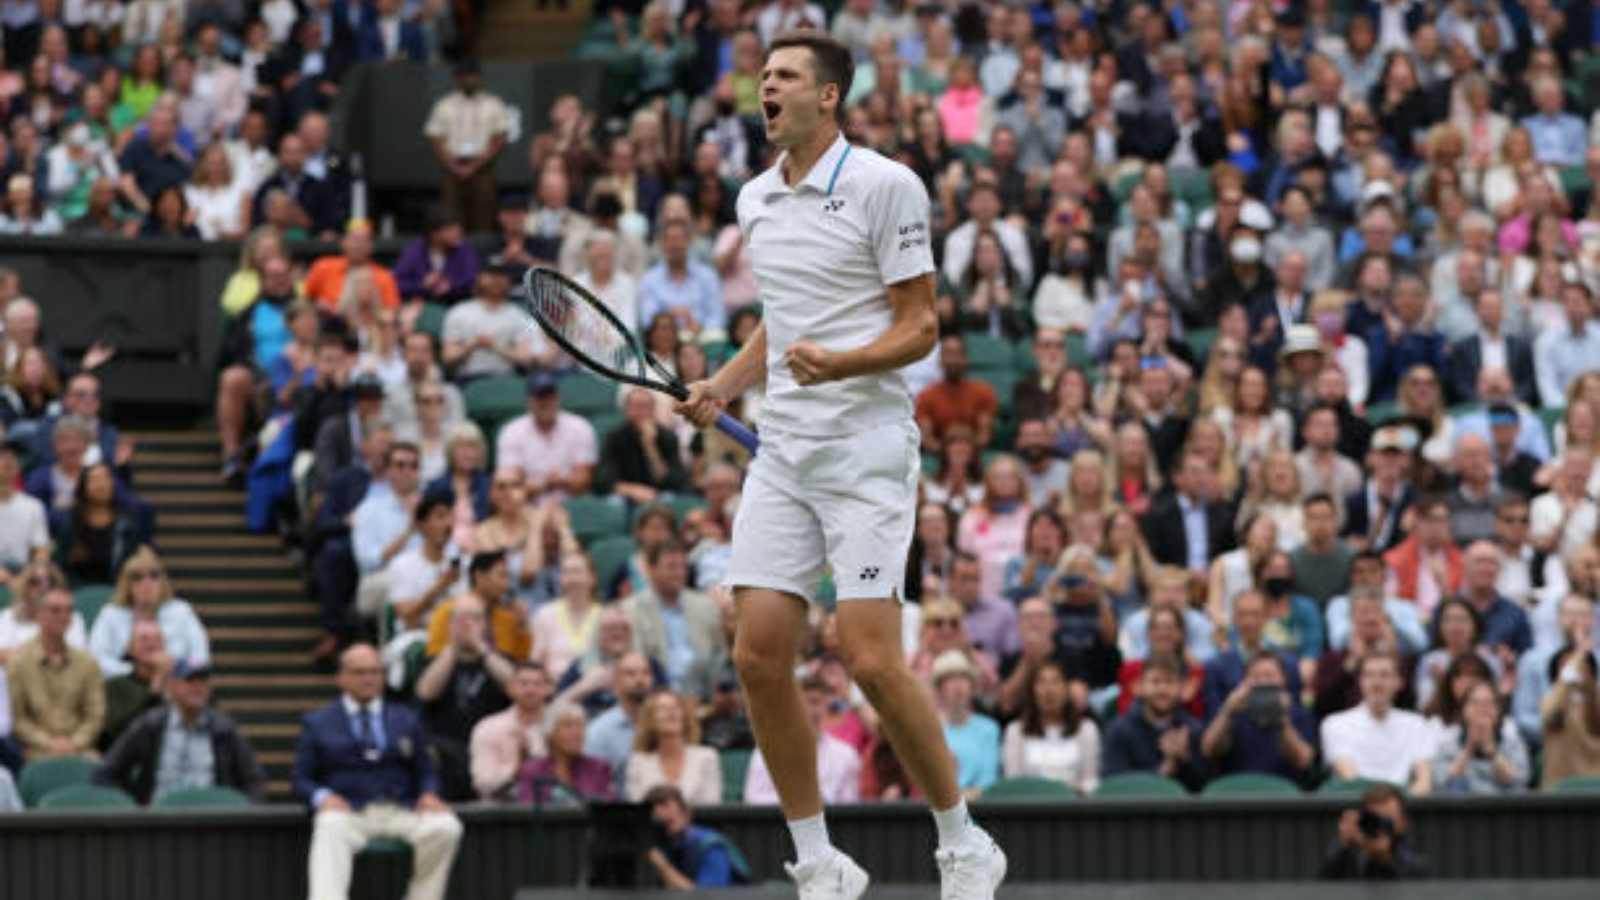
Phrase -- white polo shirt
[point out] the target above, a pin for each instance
(823, 252)
(1386, 750)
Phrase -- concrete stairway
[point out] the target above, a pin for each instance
(246, 590)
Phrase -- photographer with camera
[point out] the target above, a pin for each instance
(687, 856)
(1373, 842)
(1260, 728)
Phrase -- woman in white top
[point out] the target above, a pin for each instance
(143, 592)
(219, 201)
(667, 750)
(564, 628)
(432, 430)
(18, 622)
(957, 482)
(1233, 572)
(1274, 492)
(618, 290)
(1250, 422)
(1053, 738)
(1421, 395)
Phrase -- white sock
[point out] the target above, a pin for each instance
(810, 838)
(952, 824)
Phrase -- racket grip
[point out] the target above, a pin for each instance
(736, 429)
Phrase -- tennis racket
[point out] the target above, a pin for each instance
(582, 325)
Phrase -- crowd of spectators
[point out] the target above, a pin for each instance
(1260, 437)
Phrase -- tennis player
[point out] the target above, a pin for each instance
(839, 241)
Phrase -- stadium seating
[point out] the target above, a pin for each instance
(735, 765)
(594, 518)
(1250, 784)
(86, 796)
(586, 394)
(1345, 786)
(610, 555)
(201, 798)
(496, 399)
(1139, 784)
(90, 599)
(1579, 784)
(43, 776)
(430, 320)
(1029, 788)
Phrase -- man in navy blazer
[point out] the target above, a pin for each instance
(363, 766)
(384, 35)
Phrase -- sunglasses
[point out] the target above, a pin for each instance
(403, 464)
(943, 622)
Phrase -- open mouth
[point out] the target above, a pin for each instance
(771, 110)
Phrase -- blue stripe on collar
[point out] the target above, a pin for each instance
(834, 178)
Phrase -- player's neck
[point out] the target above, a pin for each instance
(802, 157)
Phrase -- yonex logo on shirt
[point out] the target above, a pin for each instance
(869, 573)
(833, 206)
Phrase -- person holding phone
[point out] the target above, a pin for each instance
(1373, 841)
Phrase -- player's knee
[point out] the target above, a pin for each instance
(869, 666)
(758, 667)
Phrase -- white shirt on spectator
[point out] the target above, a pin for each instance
(1545, 515)
(468, 124)
(218, 211)
(620, 295)
(1381, 750)
(411, 575)
(838, 775)
(508, 325)
(958, 246)
(542, 455)
(23, 529)
(781, 17)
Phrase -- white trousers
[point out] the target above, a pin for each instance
(336, 837)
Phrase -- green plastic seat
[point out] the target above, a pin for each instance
(986, 353)
(1029, 788)
(386, 846)
(604, 423)
(1346, 787)
(735, 765)
(1552, 416)
(90, 599)
(611, 555)
(1200, 341)
(40, 778)
(587, 394)
(496, 399)
(87, 796)
(1078, 350)
(1192, 186)
(594, 518)
(1023, 359)
(1122, 187)
(201, 798)
(5, 596)
(1251, 784)
(1004, 383)
(1574, 180)
(1139, 784)
(1378, 412)
(1579, 784)
(430, 320)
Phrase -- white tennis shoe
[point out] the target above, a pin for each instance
(834, 877)
(971, 870)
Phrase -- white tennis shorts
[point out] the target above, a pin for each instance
(817, 504)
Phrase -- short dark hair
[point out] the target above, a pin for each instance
(1427, 503)
(830, 61)
(1164, 662)
(483, 562)
(432, 500)
(1510, 499)
(1367, 556)
(1266, 656)
(1322, 497)
(663, 793)
(670, 545)
(402, 447)
(1380, 792)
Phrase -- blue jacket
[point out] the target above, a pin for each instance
(480, 491)
(328, 756)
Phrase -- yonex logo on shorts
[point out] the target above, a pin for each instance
(869, 573)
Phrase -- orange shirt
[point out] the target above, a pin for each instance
(325, 282)
(508, 624)
(945, 404)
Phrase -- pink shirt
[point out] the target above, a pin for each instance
(1516, 234)
(559, 638)
(993, 538)
(499, 745)
(571, 443)
(959, 110)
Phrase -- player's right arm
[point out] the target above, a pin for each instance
(744, 371)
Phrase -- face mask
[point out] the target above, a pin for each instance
(1033, 454)
(1278, 587)
(1246, 250)
(1075, 262)
(1006, 507)
(724, 107)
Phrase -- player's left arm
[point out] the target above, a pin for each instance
(913, 330)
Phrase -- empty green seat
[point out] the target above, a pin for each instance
(1377, 413)
(594, 518)
(497, 398)
(735, 765)
(1192, 186)
(1029, 788)
(1346, 787)
(431, 320)
(201, 798)
(43, 776)
(1004, 382)
(1139, 784)
(604, 423)
(986, 353)
(90, 599)
(1200, 341)
(1078, 350)
(87, 796)
(610, 555)
(1579, 784)
(1552, 416)
(587, 394)
(1251, 784)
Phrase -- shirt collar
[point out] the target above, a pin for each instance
(824, 172)
(202, 723)
(352, 708)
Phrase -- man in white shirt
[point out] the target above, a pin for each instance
(1561, 354)
(487, 336)
(1564, 517)
(24, 532)
(1375, 741)
(430, 572)
(556, 450)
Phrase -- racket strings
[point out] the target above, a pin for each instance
(586, 329)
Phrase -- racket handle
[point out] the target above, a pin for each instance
(736, 429)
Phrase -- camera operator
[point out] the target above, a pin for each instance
(1373, 842)
(685, 855)
(1260, 728)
